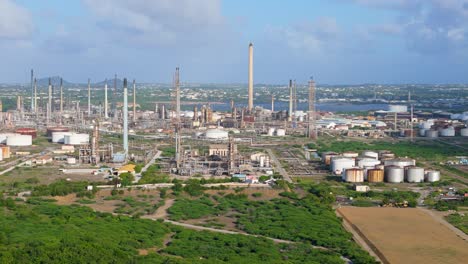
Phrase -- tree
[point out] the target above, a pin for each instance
(126, 178)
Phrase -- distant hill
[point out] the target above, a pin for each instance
(55, 80)
(110, 83)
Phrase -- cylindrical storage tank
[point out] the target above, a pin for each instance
(354, 175)
(262, 161)
(327, 156)
(50, 130)
(76, 139)
(394, 174)
(422, 132)
(447, 132)
(366, 169)
(5, 152)
(19, 140)
(364, 162)
(380, 167)
(432, 176)
(375, 175)
(280, 132)
(401, 162)
(386, 154)
(4, 136)
(59, 137)
(27, 131)
(370, 153)
(271, 131)
(432, 133)
(338, 164)
(350, 154)
(464, 132)
(71, 160)
(414, 174)
(216, 134)
(426, 125)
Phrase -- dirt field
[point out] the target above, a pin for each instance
(406, 235)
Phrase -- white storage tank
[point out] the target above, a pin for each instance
(338, 164)
(400, 162)
(280, 132)
(371, 154)
(432, 176)
(59, 137)
(447, 132)
(464, 132)
(4, 136)
(394, 174)
(426, 125)
(19, 140)
(71, 160)
(76, 139)
(350, 154)
(216, 133)
(414, 174)
(367, 162)
(432, 133)
(271, 131)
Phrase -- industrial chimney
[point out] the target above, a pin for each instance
(125, 119)
(250, 105)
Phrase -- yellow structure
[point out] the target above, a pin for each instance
(127, 168)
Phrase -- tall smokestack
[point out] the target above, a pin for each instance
(89, 97)
(61, 96)
(105, 101)
(114, 98)
(177, 94)
(35, 95)
(311, 131)
(49, 104)
(250, 106)
(290, 100)
(134, 101)
(125, 119)
(32, 91)
(272, 103)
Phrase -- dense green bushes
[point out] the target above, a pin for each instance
(459, 221)
(63, 187)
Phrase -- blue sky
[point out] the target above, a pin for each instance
(336, 41)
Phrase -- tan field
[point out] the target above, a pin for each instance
(404, 235)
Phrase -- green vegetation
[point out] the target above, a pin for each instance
(153, 175)
(42, 232)
(168, 152)
(309, 220)
(63, 187)
(459, 221)
(126, 178)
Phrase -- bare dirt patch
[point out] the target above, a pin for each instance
(407, 235)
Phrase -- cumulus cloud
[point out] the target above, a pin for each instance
(159, 22)
(15, 21)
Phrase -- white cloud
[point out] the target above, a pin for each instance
(15, 21)
(159, 21)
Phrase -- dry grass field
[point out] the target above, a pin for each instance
(406, 235)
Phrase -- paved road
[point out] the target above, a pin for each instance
(145, 168)
(278, 166)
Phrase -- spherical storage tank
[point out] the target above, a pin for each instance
(27, 131)
(76, 139)
(375, 175)
(364, 162)
(19, 140)
(354, 175)
(401, 162)
(447, 132)
(338, 164)
(59, 137)
(280, 132)
(216, 134)
(370, 154)
(432, 176)
(464, 132)
(414, 174)
(394, 174)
